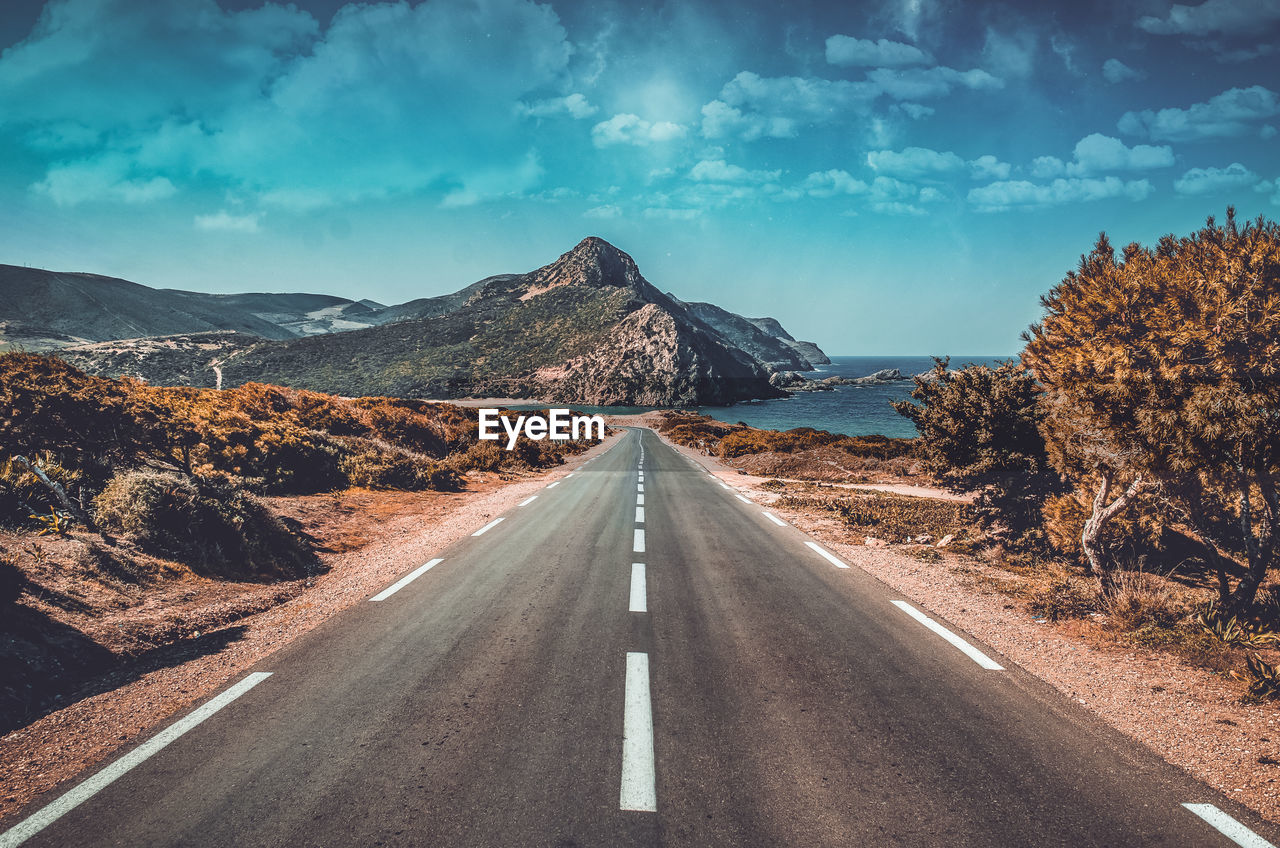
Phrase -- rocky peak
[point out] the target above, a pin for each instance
(593, 262)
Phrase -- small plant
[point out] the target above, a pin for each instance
(1063, 599)
(1136, 599)
(1263, 680)
(54, 524)
(1232, 631)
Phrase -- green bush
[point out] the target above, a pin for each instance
(210, 527)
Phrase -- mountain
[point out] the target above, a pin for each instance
(808, 351)
(773, 351)
(46, 310)
(588, 328)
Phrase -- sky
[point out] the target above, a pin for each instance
(891, 177)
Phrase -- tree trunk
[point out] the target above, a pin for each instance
(1259, 546)
(58, 492)
(1102, 513)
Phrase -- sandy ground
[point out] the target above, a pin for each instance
(1188, 716)
(63, 744)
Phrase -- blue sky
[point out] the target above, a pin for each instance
(898, 177)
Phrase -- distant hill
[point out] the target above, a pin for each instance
(587, 328)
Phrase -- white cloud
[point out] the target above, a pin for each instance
(669, 214)
(895, 207)
(1021, 194)
(1047, 167)
(924, 83)
(1228, 114)
(751, 106)
(1212, 17)
(1271, 187)
(832, 183)
(626, 128)
(717, 171)
(1010, 54)
(1097, 153)
(1200, 181)
(886, 189)
(1114, 71)
(573, 105)
(604, 212)
(914, 111)
(914, 162)
(863, 52)
(989, 167)
(106, 178)
(224, 221)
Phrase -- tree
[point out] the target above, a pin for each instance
(979, 432)
(1162, 369)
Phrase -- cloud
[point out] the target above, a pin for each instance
(751, 106)
(1114, 71)
(1214, 17)
(924, 83)
(895, 207)
(846, 51)
(223, 221)
(389, 99)
(1201, 181)
(1065, 49)
(1096, 153)
(1271, 187)
(832, 183)
(108, 178)
(671, 214)
(604, 212)
(631, 129)
(1021, 194)
(914, 162)
(573, 105)
(1228, 114)
(1010, 55)
(1047, 167)
(989, 167)
(914, 111)
(717, 171)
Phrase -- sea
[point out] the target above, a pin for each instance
(851, 410)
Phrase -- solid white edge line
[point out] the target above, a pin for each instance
(528, 500)
(406, 580)
(639, 791)
(744, 498)
(1228, 826)
(638, 545)
(639, 599)
(724, 485)
(825, 555)
(775, 519)
(639, 515)
(76, 796)
(553, 485)
(965, 648)
(485, 529)
(570, 474)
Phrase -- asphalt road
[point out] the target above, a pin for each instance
(637, 662)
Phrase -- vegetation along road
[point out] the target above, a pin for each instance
(635, 656)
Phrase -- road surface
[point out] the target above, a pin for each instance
(637, 655)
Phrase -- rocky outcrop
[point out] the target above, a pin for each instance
(774, 352)
(807, 351)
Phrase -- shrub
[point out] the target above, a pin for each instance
(210, 527)
(374, 467)
(889, 516)
(1135, 599)
(1063, 599)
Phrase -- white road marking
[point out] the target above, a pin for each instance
(553, 485)
(724, 485)
(775, 519)
(638, 545)
(744, 498)
(965, 648)
(639, 499)
(1229, 827)
(570, 474)
(485, 529)
(406, 580)
(825, 555)
(639, 790)
(639, 515)
(639, 602)
(528, 500)
(50, 813)
(639, 487)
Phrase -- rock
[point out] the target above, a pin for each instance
(946, 540)
(873, 542)
(924, 539)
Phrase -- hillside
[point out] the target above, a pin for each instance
(587, 328)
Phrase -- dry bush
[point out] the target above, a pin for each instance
(1136, 599)
(887, 515)
(1066, 598)
(210, 528)
(381, 466)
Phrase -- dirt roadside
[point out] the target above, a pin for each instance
(65, 743)
(1186, 715)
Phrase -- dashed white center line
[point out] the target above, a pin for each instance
(775, 519)
(485, 529)
(639, 499)
(825, 555)
(639, 487)
(639, 601)
(1229, 827)
(528, 500)
(965, 648)
(47, 815)
(639, 515)
(639, 790)
(744, 498)
(553, 485)
(638, 543)
(406, 580)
